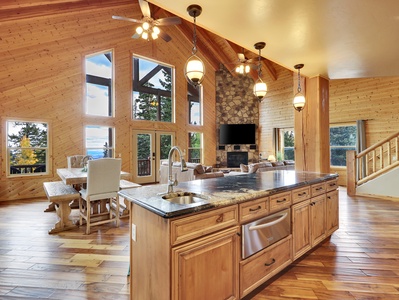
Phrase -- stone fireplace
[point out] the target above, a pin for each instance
(234, 159)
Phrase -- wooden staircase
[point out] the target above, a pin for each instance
(372, 162)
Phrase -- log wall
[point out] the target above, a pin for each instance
(43, 50)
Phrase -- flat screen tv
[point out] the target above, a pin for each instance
(237, 134)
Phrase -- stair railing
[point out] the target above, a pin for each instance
(372, 162)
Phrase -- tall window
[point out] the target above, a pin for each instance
(194, 147)
(27, 148)
(99, 84)
(194, 102)
(286, 144)
(99, 141)
(342, 139)
(152, 91)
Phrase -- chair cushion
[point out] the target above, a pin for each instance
(243, 168)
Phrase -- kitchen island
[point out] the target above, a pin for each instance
(193, 250)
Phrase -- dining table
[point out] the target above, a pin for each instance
(75, 176)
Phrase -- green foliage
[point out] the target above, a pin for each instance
(35, 133)
(342, 139)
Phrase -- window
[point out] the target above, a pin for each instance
(99, 84)
(152, 91)
(194, 102)
(99, 141)
(342, 139)
(27, 148)
(286, 144)
(194, 147)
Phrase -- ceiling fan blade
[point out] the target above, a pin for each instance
(241, 57)
(135, 36)
(166, 37)
(168, 21)
(126, 19)
(145, 8)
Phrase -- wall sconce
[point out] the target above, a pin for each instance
(260, 88)
(194, 70)
(299, 99)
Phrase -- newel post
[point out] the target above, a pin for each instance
(351, 172)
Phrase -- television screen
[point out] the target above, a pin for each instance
(237, 134)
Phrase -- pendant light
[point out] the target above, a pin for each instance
(194, 70)
(260, 88)
(299, 99)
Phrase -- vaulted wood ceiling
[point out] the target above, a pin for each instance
(215, 49)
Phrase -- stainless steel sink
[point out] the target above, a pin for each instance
(185, 198)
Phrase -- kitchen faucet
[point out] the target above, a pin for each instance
(173, 182)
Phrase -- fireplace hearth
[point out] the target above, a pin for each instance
(234, 159)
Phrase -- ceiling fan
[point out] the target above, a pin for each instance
(244, 64)
(149, 26)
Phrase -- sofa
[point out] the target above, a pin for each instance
(268, 166)
(195, 171)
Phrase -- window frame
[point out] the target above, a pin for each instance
(281, 147)
(6, 162)
(194, 95)
(200, 148)
(111, 137)
(109, 83)
(335, 147)
(159, 93)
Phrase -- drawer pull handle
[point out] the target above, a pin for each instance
(302, 194)
(319, 188)
(255, 209)
(332, 184)
(269, 264)
(282, 200)
(329, 197)
(219, 219)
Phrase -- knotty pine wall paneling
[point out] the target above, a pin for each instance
(42, 78)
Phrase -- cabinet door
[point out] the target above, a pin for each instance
(207, 268)
(332, 212)
(318, 219)
(300, 228)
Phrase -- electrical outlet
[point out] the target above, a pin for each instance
(134, 232)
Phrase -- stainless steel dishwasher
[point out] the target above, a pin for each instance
(263, 232)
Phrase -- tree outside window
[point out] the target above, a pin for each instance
(99, 141)
(99, 84)
(342, 139)
(286, 148)
(194, 147)
(152, 91)
(27, 147)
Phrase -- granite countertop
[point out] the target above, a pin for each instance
(221, 191)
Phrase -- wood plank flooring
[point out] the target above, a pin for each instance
(360, 261)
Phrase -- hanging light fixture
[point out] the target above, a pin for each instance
(299, 99)
(260, 88)
(243, 69)
(194, 70)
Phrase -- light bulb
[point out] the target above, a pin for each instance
(156, 30)
(146, 25)
(139, 30)
(145, 35)
(154, 36)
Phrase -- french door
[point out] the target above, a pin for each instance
(149, 148)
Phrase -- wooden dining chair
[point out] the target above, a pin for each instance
(96, 201)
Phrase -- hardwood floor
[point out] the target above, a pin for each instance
(360, 261)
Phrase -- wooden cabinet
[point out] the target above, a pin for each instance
(263, 265)
(301, 194)
(207, 268)
(300, 228)
(254, 209)
(280, 201)
(313, 219)
(317, 219)
(332, 212)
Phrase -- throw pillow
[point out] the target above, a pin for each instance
(244, 168)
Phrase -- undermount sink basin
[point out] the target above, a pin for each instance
(185, 198)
